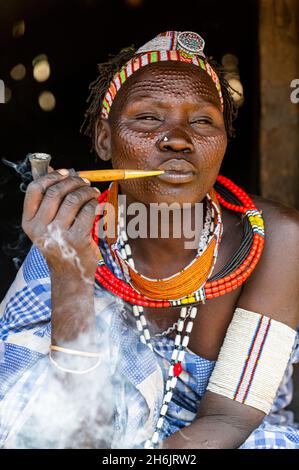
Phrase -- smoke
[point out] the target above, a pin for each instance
(77, 411)
(22, 169)
(17, 249)
(54, 239)
(17, 246)
(74, 410)
(69, 411)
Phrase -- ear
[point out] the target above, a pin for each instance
(103, 139)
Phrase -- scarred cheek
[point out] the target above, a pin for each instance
(211, 149)
(131, 149)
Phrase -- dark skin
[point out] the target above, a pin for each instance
(178, 100)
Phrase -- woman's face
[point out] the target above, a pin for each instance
(168, 115)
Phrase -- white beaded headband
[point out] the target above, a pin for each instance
(184, 46)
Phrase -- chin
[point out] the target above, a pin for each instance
(162, 192)
(170, 197)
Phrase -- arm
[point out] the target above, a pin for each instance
(271, 290)
(221, 424)
(58, 216)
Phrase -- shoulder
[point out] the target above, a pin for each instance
(277, 216)
(273, 287)
(281, 227)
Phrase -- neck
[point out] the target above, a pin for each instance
(167, 242)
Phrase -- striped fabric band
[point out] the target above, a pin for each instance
(254, 354)
(153, 56)
(252, 360)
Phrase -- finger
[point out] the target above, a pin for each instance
(36, 190)
(55, 196)
(85, 218)
(73, 203)
(50, 169)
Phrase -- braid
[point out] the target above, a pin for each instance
(98, 88)
(106, 72)
(230, 111)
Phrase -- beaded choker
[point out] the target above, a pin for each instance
(229, 278)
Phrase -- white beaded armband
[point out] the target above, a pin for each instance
(252, 360)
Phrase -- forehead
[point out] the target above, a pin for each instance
(166, 80)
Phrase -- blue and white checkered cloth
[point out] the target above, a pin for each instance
(139, 373)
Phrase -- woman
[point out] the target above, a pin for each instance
(224, 369)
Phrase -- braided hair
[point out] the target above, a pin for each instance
(106, 72)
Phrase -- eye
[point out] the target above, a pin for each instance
(202, 121)
(147, 117)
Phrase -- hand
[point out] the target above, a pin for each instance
(58, 216)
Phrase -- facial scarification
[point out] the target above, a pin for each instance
(174, 99)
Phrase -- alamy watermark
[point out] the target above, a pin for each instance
(295, 93)
(154, 220)
(2, 92)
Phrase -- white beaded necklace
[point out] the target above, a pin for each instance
(126, 253)
(180, 344)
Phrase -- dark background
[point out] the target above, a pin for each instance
(78, 34)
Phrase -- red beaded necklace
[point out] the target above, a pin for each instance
(211, 289)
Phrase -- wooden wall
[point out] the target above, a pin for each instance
(279, 131)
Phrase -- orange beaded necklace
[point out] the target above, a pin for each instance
(187, 281)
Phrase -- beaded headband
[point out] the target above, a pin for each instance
(184, 46)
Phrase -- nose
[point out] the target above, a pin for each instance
(176, 141)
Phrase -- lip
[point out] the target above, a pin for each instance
(177, 171)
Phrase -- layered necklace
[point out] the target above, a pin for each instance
(192, 285)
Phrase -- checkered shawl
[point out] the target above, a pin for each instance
(140, 374)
